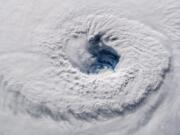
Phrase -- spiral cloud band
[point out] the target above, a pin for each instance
(98, 65)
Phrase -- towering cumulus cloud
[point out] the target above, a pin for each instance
(105, 65)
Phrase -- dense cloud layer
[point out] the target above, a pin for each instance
(109, 69)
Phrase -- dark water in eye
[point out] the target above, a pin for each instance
(105, 57)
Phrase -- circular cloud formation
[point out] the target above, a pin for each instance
(100, 65)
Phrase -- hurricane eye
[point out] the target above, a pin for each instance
(101, 57)
(105, 57)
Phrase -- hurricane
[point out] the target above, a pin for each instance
(89, 67)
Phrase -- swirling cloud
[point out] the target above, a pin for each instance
(90, 65)
(100, 65)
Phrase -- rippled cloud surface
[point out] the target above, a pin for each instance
(89, 67)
